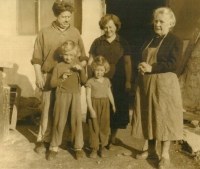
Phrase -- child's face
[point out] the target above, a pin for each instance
(68, 57)
(99, 71)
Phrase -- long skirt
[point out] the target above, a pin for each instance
(120, 119)
(158, 111)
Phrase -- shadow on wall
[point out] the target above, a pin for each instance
(21, 103)
(13, 77)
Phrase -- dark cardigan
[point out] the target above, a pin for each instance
(169, 54)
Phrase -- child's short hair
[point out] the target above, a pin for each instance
(100, 61)
(69, 45)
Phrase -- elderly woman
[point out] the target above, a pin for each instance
(158, 109)
(116, 51)
(45, 58)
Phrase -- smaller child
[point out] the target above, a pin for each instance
(67, 78)
(99, 97)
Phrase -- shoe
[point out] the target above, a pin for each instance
(102, 152)
(93, 154)
(146, 155)
(164, 163)
(79, 154)
(46, 145)
(111, 146)
(51, 155)
(42, 148)
(69, 145)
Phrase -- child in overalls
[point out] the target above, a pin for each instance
(67, 77)
(99, 97)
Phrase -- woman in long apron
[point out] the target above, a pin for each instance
(157, 111)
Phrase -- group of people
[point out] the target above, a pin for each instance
(62, 67)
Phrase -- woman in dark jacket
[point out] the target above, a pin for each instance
(157, 111)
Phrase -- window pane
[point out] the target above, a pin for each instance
(33, 15)
(46, 13)
(27, 17)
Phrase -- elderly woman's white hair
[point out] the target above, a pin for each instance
(166, 11)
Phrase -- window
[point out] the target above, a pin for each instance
(34, 15)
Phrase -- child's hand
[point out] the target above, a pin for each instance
(77, 67)
(114, 108)
(93, 114)
(65, 75)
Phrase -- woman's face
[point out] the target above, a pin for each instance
(99, 71)
(63, 19)
(110, 29)
(162, 24)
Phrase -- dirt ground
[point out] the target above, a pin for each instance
(18, 153)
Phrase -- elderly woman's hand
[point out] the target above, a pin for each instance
(144, 67)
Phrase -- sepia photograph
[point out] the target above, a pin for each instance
(100, 84)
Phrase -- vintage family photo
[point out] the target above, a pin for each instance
(100, 84)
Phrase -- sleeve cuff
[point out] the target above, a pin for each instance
(154, 70)
(36, 61)
(82, 58)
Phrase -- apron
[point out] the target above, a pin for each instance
(157, 110)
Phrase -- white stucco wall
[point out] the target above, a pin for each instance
(18, 49)
(92, 12)
(8, 17)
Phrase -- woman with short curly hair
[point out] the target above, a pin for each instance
(45, 57)
(116, 50)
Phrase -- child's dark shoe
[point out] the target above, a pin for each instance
(69, 145)
(93, 154)
(103, 152)
(51, 155)
(42, 147)
(79, 154)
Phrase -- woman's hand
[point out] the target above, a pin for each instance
(40, 82)
(93, 114)
(144, 67)
(83, 63)
(114, 108)
(127, 86)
